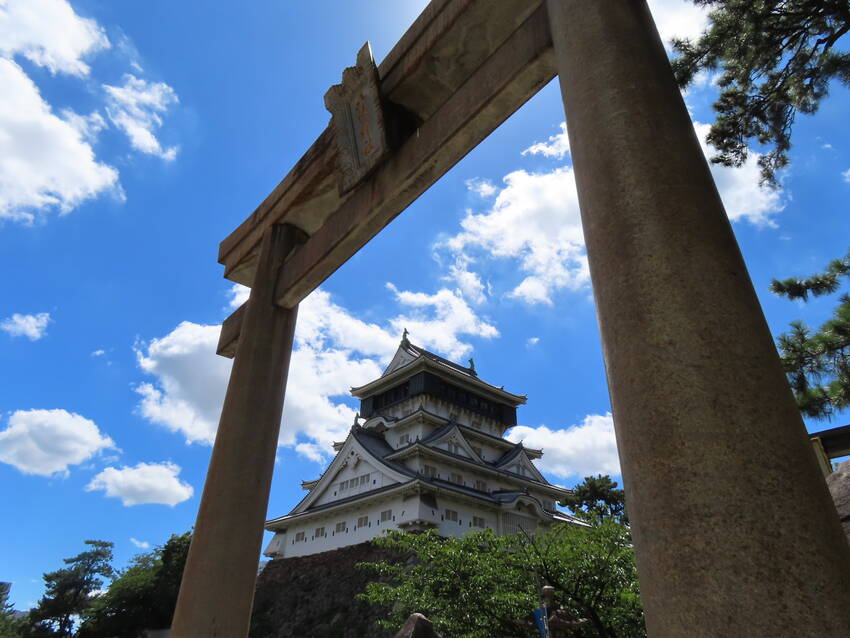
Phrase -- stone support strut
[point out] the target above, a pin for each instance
(734, 530)
(218, 583)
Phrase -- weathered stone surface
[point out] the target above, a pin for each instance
(315, 596)
(839, 486)
(221, 568)
(417, 626)
(735, 533)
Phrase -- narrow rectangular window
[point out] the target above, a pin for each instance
(343, 486)
(320, 531)
(404, 439)
(481, 486)
(477, 521)
(386, 515)
(363, 521)
(456, 478)
(451, 515)
(429, 470)
(364, 479)
(340, 527)
(300, 536)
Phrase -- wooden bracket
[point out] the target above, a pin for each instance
(231, 327)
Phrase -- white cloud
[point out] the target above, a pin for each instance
(136, 109)
(333, 351)
(191, 380)
(678, 18)
(558, 145)
(238, 295)
(146, 483)
(140, 544)
(846, 176)
(535, 219)
(45, 442)
(98, 353)
(579, 450)
(33, 327)
(50, 34)
(743, 197)
(532, 341)
(481, 187)
(436, 321)
(468, 283)
(45, 160)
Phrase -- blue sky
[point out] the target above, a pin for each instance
(135, 136)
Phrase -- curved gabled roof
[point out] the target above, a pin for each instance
(409, 358)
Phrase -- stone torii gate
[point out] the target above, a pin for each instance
(734, 531)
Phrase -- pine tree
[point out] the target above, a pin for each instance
(818, 363)
(775, 58)
(69, 591)
(597, 499)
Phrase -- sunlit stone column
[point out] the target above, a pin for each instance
(734, 530)
(218, 583)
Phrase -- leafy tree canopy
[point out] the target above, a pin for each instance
(597, 499)
(818, 363)
(69, 591)
(143, 596)
(483, 585)
(775, 58)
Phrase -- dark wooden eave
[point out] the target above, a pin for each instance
(835, 441)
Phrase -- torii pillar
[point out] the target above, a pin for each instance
(217, 588)
(734, 531)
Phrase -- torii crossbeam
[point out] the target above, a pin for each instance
(734, 530)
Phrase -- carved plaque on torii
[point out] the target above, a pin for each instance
(358, 120)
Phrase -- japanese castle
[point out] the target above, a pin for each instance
(426, 452)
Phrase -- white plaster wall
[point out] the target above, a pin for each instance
(463, 416)
(377, 479)
(415, 431)
(404, 510)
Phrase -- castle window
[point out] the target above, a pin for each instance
(404, 439)
(343, 486)
(340, 527)
(300, 536)
(364, 479)
(386, 515)
(363, 521)
(429, 470)
(481, 486)
(454, 448)
(456, 478)
(477, 521)
(320, 531)
(451, 515)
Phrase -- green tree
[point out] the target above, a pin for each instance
(597, 499)
(775, 58)
(483, 585)
(70, 591)
(10, 623)
(143, 596)
(818, 363)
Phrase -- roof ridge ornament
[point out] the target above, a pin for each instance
(472, 367)
(404, 340)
